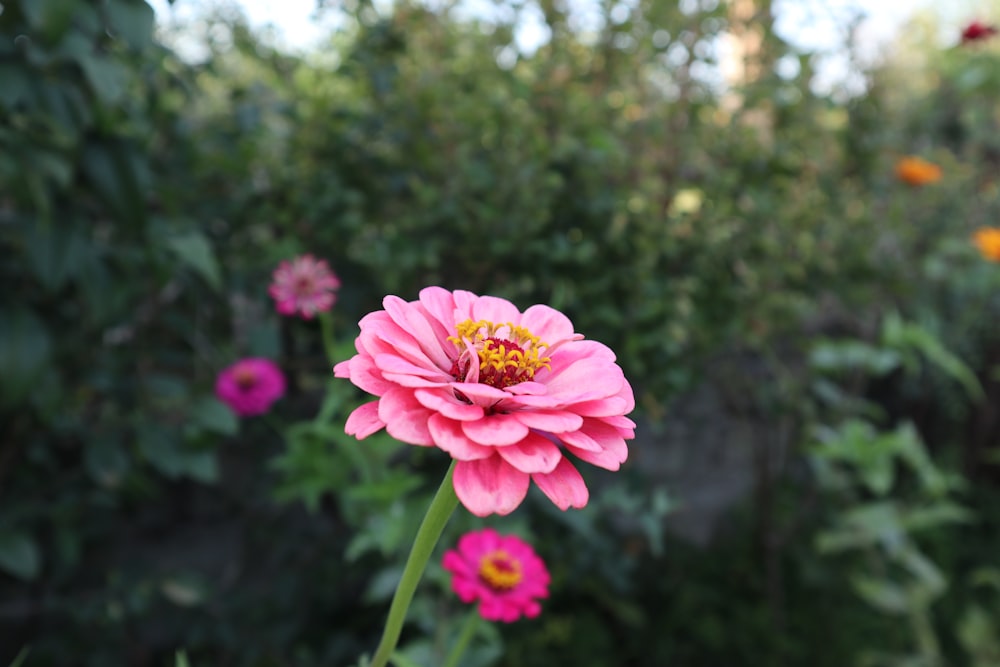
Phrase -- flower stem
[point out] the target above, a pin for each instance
(468, 630)
(326, 330)
(444, 503)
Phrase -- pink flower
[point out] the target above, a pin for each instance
(505, 393)
(503, 573)
(977, 31)
(304, 286)
(250, 386)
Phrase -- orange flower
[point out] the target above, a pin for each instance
(987, 239)
(917, 171)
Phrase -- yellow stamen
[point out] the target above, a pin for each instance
(508, 354)
(500, 570)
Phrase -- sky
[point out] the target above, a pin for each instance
(813, 25)
(811, 22)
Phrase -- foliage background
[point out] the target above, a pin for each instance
(750, 238)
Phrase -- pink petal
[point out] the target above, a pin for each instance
(440, 305)
(531, 388)
(364, 421)
(574, 352)
(342, 369)
(411, 320)
(496, 430)
(496, 310)
(613, 450)
(605, 407)
(444, 401)
(366, 376)
(550, 422)
(533, 454)
(448, 436)
(393, 363)
(464, 302)
(580, 440)
(405, 419)
(587, 379)
(564, 486)
(395, 340)
(480, 394)
(490, 486)
(547, 323)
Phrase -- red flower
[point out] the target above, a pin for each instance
(977, 31)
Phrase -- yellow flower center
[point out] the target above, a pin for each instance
(500, 570)
(507, 354)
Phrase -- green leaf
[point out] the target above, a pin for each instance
(15, 86)
(196, 251)
(19, 556)
(21, 657)
(106, 461)
(51, 18)
(56, 255)
(883, 595)
(132, 20)
(181, 660)
(106, 77)
(212, 415)
(117, 172)
(25, 348)
(165, 452)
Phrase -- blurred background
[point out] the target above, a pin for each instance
(721, 191)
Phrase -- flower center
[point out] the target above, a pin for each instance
(507, 354)
(304, 284)
(500, 571)
(245, 377)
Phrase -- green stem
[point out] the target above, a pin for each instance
(444, 503)
(326, 330)
(468, 630)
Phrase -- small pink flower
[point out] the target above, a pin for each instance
(977, 31)
(304, 286)
(250, 386)
(505, 393)
(502, 572)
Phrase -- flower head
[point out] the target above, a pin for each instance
(250, 386)
(502, 572)
(977, 31)
(505, 393)
(987, 239)
(304, 286)
(917, 171)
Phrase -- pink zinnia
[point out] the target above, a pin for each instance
(977, 31)
(304, 286)
(502, 572)
(505, 393)
(250, 386)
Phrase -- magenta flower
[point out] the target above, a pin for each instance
(505, 393)
(250, 386)
(502, 572)
(304, 286)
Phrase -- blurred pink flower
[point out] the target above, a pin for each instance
(503, 392)
(502, 572)
(977, 31)
(304, 286)
(250, 386)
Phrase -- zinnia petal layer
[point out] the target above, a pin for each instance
(502, 573)
(505, 393)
